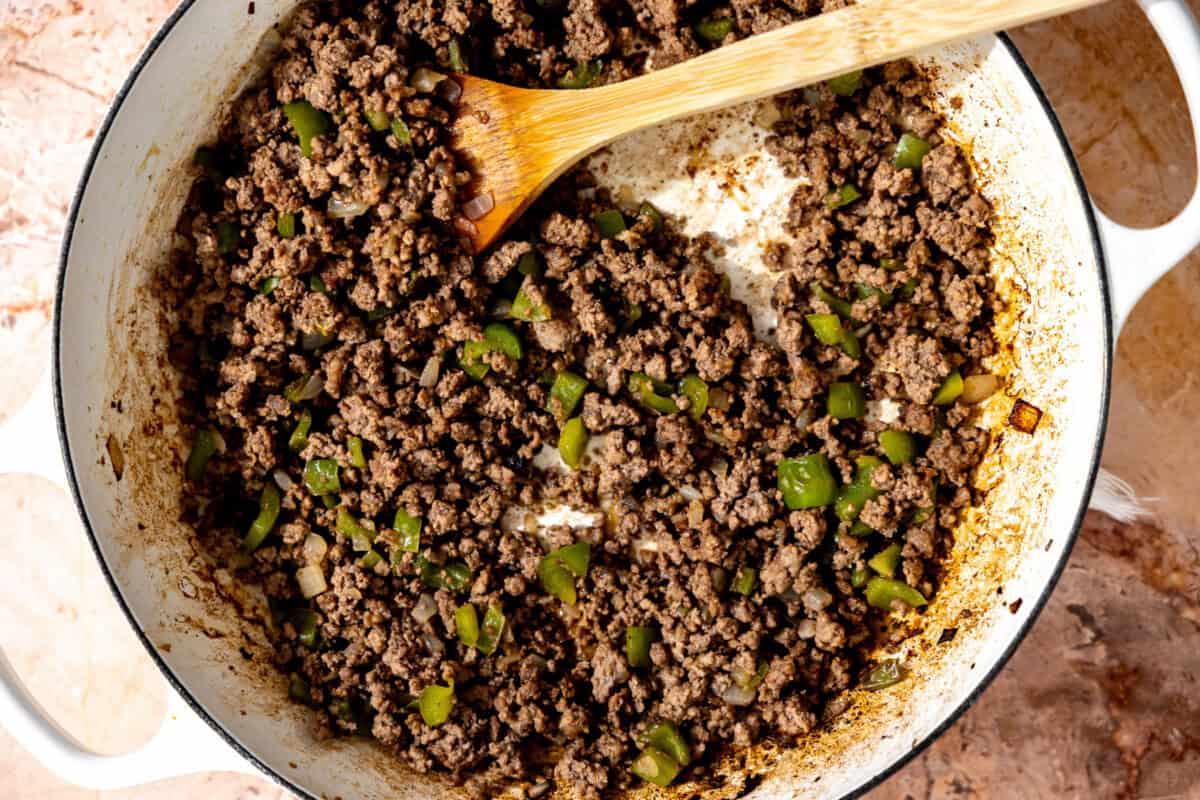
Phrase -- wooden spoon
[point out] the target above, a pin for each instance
(517, 141)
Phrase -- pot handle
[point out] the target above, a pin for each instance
(1137, 257)
(183, 745)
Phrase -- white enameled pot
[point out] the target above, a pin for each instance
(1071, 276)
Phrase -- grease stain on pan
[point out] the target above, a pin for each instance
(1039, 281)
(149, 537)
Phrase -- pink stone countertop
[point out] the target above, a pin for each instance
(1099, 702)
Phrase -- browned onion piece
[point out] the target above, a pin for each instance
(116, 456)
(313, 341)
(719, 399)
(311, 580)
(816, 599)
(738, 696)
(977, 388)
(315, 383)
(1025, 417)
(425, 609)
(429, 373)
(283, 480)
(315, 548)
(478, 206)
(465, 226)
(340, 208)
(767, 115)
(426, 80)
(435, 645)
(450, 91)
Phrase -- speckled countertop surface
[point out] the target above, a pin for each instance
(1099, 702)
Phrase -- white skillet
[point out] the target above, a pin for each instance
(1074, 276)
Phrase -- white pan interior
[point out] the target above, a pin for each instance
(111, 357)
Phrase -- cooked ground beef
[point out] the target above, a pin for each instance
(361, 321)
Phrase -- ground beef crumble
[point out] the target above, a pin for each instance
(368, 305)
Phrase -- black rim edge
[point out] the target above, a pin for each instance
(267, 770)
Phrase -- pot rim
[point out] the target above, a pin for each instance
(985, 679)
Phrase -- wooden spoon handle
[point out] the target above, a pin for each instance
(868, 33)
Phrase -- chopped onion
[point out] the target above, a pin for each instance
(977, 388)
(341, 208)
(747, 679)
(737, 696)
(689, 492)
(545, 538)
(717, 438)
(767, 115)
(695, 514)
(516, 518)
(425, 608)
(719, 577)
(450, 91)
(806, 629)
(719, 399)
(649, 545)
(433, 643)
(539, 789)
(315, 548)
(464, 225)
(426, 80)
(312, 387)
(391, 244)
(283, 480)
(478, 206)
(311, 580)
(816, 599)
(312, 341)
(429, 373)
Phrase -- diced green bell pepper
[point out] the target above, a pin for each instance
(886, 561)
(856, 494)
(307, 122)
(847, 84)
(268, 512)
(572, 441)
(950, 390)
(806, 482)
(900, 447)
(882, 591)
(910, 151)
(846, 401)
(637, 645)
(610, 223)
(568, 389)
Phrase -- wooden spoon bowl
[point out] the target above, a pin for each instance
(517, 141)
